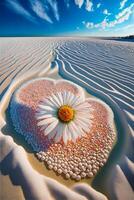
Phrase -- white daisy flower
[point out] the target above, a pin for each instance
(64, 116)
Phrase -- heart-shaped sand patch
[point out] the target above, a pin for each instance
(72, 134)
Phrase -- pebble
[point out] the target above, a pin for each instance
(59, 171)
(42, 158)
(83, 174)
(67, 176)
(94, 166)
(74, 176)
(71, 173)
(89, 167)
(94, 171)
(65, 171)
(55, 168)
(39, 156)
(76, 169)
(90, 174)
(104, 161)
(50, 166)
(49, 162)
(78, 178)
(62, 164)
(83, 168)
(80, 164)
(88, 162)
(101, 164)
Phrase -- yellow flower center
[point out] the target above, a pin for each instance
(65, 113)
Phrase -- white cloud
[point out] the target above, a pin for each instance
(79, 3)
(98, 5)
(89, 24)
(89, 5)
(104, 24)
(127, 10)
(123, 15)
(39, 8)
(19, 9)
(40, 11)
(122, 3)
(54, 6)
(119, 18)
(105, 12)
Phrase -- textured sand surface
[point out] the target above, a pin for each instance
(105, 69)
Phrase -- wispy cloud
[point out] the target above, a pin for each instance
(89, 5)
(105, 12)
(126, 11)
(98, 5)
(40, 10)
(19, 9)
(119, 18)
(79, 3)
(122, 3)
(91, 25)
(54, 7)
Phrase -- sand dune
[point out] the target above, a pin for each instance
(104, 65)
(105, 69)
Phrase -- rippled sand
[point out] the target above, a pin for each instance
(105, 69)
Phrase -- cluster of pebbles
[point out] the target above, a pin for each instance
(78, 160)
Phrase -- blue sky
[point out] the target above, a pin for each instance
(66, 17)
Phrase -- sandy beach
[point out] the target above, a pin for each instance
(104, 68)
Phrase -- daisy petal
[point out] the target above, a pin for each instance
(71, 99)
(46, 121)
(84, 121)
(65, 136)
(76, 128)
(56, 99)
(51, 127)
(73, 132)
(82, 106)
(82, 125)
(59, 132)
(59, 95)
(52, 134)
(51, 99)
(64, 97)
(43, 127)
(69, 135)
(77, 100)
(45, 107)
(43, 116)
(68, 97)
(47, 102)
(43, 112)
